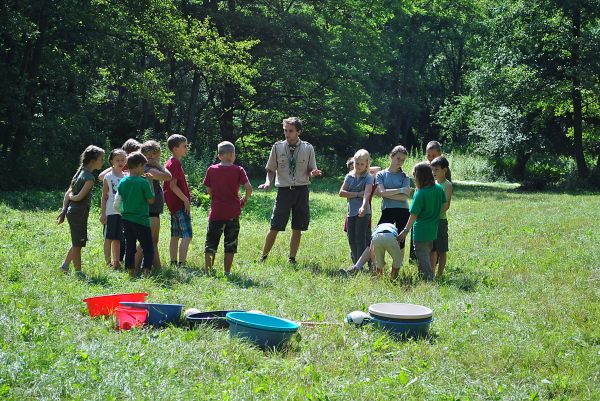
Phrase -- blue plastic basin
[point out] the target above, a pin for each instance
(402, 329)
(158, 314)
(263, 330)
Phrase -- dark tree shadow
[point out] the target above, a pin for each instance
(32, 200)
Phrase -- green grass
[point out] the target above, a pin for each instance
(516, 314)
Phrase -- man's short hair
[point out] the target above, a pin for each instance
(225, 147)
(440, 161)
(295, 121)
(175, 140)
(136, 159)
(150, 146)
(435, 145)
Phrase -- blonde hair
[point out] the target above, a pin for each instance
(225, 147)
(362, 154)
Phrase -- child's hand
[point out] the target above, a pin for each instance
(401, 236)
(266, 186)
(361, 212)
(186, 205)
(243, 201)
(61, 218)
(103, 219)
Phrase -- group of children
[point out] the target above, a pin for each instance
(133, 200)
(426, 215)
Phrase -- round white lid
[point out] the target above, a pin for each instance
(396, 310)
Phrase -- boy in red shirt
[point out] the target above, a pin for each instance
(177, 197)
(223, 183)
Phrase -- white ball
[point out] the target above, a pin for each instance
(357, 317)
(190, 311)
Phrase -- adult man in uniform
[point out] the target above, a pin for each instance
(291, 165)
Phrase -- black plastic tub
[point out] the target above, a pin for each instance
(216, 319)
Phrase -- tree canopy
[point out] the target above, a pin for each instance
(511, 79)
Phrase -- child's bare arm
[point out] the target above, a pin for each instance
(344, 193)
(103, 174)
(365, 202)
(118, 203)
(61, 216)
(409, 224)
(247, 193)
(105, 190)
(393, 193)
(177, 191)
(448, 191)
(87, 187)
(158, 172)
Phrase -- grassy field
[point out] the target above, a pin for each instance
(517, 313)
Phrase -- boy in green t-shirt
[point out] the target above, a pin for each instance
(439, 167)
(134, 194)
(424, 216)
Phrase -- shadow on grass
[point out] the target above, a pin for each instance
(246, 282)
(166, 277)
(100, 279)
(317, 268)
(466, 281)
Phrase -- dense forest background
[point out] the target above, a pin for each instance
(515, 81)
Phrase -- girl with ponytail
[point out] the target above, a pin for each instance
(76, 205)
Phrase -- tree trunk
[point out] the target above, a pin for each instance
(189, 119)
(226, 117)
(521, 163)
(171, 107)
(32, 60)
(582, 168)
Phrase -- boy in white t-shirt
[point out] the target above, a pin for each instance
(114, 242)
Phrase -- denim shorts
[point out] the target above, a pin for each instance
(181, 224)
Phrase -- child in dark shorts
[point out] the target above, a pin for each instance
(76, 205)
(155, 173)
(424, 218)
(394, 187)
(114, 241)
(439, 167)
(223, 181)
(132, 200)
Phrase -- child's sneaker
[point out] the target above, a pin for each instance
(262, 258)
(64, 268)
(292, 261)
(352, 270)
